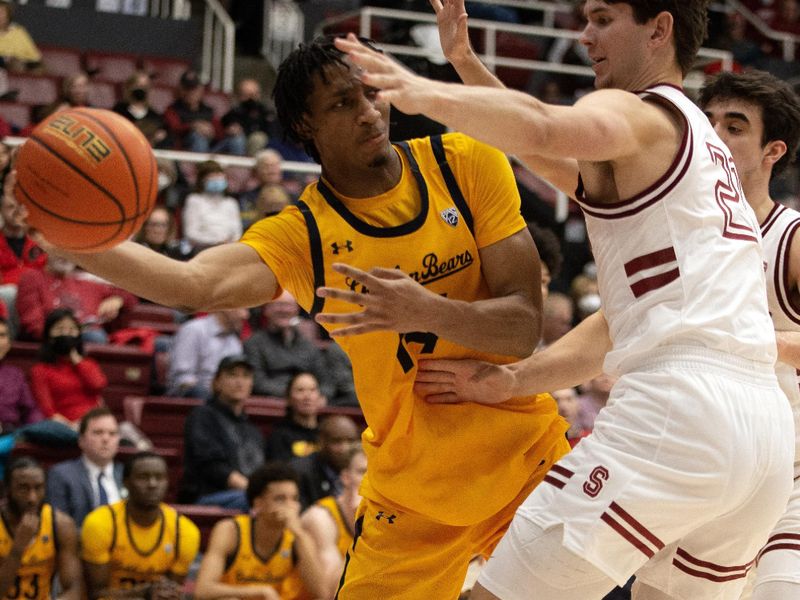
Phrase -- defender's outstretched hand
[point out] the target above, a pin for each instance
(451, 17)
(449, 381)
(393, 301)
(406, 91)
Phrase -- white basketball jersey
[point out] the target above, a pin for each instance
(778, 231)
(681, 262)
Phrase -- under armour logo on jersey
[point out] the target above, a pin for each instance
(348, 245)
(450, 216)
(383, 515)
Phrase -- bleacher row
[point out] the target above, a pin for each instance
(108, 73)
(160, 418)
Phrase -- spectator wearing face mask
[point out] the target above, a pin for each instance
(247, 125)
(65, 383)
(209, 216)
(136, 108)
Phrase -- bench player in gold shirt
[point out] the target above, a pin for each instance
(426, 236)
(330, 521)
(36, 541)
(266, 555)
(139, 547)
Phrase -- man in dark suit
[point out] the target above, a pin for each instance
(319, 471)
(78, 486)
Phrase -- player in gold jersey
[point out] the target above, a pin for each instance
(265, 555)
(36, 541)
(331, 520)
(427, 237)
(139, 547)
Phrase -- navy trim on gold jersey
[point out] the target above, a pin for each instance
(383, 232)
(317, 261)
(450, 181)
(231, 558)
(113, 528)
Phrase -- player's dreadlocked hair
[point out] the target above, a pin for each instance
(690, 18)
(295, 82)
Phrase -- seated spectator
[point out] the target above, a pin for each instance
(135, 107)
(268, 553)
(246, 125)
(96, 305)
(37, 542)
(558, 313)
(197, 349)
(319, 471)
(270, 195)
(74, 93)
(18, 51)
(78, 486)
(569, 407)
(17, 406)
(18, 252)
(278, 350)
(158, 233)
(65, 383)
(330, 521)
(297, 434)
(551, 259)
(340, 373)
(138, 547)
(190, 121)
(222, 447)
(209, 216)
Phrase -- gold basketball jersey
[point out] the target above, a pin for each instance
(246, 567)
(457, 463)
(38, 565)
(344, 527)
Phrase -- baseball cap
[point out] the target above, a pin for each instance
(234, 360)
(190, 80)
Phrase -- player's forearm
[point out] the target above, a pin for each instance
(145, 273)
(574, 359)
(510, 325)
(312, 571)
(473, 72)
(789, 347)
(8, 571)
(215, 591)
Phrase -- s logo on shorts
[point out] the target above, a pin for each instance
(594, 484)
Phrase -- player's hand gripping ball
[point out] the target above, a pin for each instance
(88, 179)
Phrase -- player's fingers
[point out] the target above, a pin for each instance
(346, 295)
(357, 274)
(442, 364)
(340, 318)
(436, 5)
(384, 273)
(426, 376)
(432, 389)
(446, 398)
(355, 330)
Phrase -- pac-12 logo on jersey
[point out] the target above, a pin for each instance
(450, 216)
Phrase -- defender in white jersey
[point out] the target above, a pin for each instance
(758, 116)
(689, 465)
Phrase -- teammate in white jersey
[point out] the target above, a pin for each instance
(653, 491)
(758, 117)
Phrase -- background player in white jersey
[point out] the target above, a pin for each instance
(758, 117)
(684, 324)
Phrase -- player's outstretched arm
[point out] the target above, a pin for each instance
(602, 126)
(69, 563)
(227, 276)
(509, 323)
(575, 358)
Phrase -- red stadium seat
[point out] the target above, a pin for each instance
(61, 61)
(165, 71)
(205, 517)
(111, 67)
(16, 114)
(34, 89)
(102, 94)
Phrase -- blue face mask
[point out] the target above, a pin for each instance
(216, 186)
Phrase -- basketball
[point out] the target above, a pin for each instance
(88, 178)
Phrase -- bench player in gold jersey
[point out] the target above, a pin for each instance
(138, 547)
(36, 541)
(331, 520)
(427, 237)
(266, 555)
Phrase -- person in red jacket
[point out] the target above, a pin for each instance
(18, 252)
(96, 305)
(65, 383)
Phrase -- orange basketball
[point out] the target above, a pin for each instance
(88, 178)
